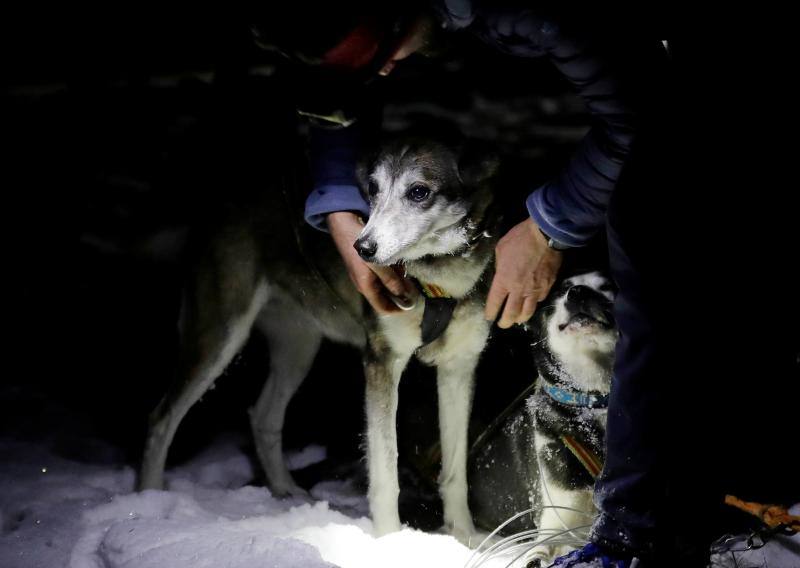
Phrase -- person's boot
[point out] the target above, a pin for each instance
(593, 556)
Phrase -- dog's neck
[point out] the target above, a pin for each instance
(589, 375)
(456, 274)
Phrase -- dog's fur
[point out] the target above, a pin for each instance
(574, 351)
(254, 273)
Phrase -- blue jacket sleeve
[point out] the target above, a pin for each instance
(333, 154)
(609, 73)
(572, 207)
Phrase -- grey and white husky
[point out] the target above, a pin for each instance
(545, 451)
(430, 212)
(569, 407)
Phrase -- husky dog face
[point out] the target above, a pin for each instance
(578, 326)
(420, 202)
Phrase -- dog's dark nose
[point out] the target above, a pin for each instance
(579, 296)
(366, 248)
(586, 300)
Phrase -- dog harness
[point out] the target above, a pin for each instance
(439, 307)
(589, 460)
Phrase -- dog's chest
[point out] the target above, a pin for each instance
(555, 420)
(464, 337)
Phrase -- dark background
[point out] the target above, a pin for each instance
(124, 133)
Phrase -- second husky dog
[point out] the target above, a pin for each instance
(544, 452)
(569, 407)
(431, 212)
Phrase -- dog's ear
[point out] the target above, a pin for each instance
(478, 161)
(364, 168)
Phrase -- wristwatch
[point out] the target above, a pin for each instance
(554, 244)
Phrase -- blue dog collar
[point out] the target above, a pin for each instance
(571, 397)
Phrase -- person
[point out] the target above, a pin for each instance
(620, 180)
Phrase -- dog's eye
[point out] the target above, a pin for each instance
(418, 193)
(372, 189)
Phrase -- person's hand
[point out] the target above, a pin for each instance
(525, 269)
(376, 283)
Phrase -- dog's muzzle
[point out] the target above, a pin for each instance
(588, 306)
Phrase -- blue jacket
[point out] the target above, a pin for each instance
(570, 208)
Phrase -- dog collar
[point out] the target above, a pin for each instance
(549, 372)
(572, 397)
(439, 307)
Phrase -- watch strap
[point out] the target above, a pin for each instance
(554, 244)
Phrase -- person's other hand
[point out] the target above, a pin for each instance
(525, 270)
(376, 283)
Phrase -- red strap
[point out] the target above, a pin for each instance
(588, 459)
(771, 515)
(357, 49)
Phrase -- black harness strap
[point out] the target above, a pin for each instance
(438, 312)
(439, 306)
(436, 317)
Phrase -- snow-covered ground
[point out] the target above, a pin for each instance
(67, 500)
(57, 512)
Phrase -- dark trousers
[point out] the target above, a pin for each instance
(701, 246)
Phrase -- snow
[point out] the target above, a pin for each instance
(57, 511)
(309, 455)
(68, 501)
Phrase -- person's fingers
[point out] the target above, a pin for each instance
(511, 311)
(494, 301)
(528, 309)
(393, 282)
(373, 291)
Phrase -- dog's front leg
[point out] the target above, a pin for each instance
(383, 369)
(455, 380)
(562, 508)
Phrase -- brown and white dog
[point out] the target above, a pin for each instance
(430, 212)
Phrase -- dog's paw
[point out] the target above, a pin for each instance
(475, 538)
(539, 556)
(469, 536)
(288, 491)
(542, 555)
(383, 524)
